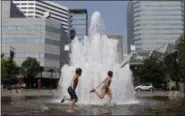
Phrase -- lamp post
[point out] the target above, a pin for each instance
(51, 71)
(12, 53)
(11, 60)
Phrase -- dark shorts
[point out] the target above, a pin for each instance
(72, 93)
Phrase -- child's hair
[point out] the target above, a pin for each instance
(110, 73)
(78, 71)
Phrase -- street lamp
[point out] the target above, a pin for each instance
(51, 70)
(12, 53)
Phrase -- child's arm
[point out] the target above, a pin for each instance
(73, 81)
(101, 83)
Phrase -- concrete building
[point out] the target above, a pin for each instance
(119, 46)
(41, 38)
(43, 8)
(151, 24)
(79, 23)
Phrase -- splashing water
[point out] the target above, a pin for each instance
(96, 55)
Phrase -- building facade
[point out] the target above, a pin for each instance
(151, 24)
(41, 38)
(79, 23)
(45, 9)
(120, 52)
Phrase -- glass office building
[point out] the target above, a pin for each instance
(41, 38)
(79, 23)
(44, 8)
(151, 24)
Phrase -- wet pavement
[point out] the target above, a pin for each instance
(42, 105)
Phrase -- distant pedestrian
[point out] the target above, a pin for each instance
(39, 84)
(19, 82)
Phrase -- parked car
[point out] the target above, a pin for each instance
(145, 87)
(23, 85)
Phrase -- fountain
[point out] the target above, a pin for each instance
(96, 54)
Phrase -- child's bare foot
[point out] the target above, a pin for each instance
(93, 90)
(70, 111)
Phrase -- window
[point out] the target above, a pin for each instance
(11, 41)
(30, 3)
(20, 28)
(23, 7)
(16, 3)
(30, 7)
(32, 40)
(3, 40)
(23, 3)
(30, 12)
(20, 41)
(19, 55)
(41, 55)
(35, 55)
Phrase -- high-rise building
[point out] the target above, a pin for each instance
(49, 9)
(119, 46)
(151, 24)
(41, 38)
(79, 23)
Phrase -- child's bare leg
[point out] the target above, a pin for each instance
(109, 93)
(100, 94)
(70, 109)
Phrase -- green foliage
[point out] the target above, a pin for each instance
(30, 67)
(9, 69)
(171, 65)
(152, 71)
(181, 56)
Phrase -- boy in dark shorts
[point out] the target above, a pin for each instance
(105, 88)
(71, 90)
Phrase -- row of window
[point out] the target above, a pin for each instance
(59, 11)
(160, 14)
(162, 24)
(26, 7)
(24, 3)
(23, 27)
(154, 33)
(53, 6)
(156, 10)
(23, 55)
(51, 13)
(38, 55)
(160, 28)
(22, 41)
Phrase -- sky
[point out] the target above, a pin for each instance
(112, 12)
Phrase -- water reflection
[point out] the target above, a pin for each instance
(34, 105)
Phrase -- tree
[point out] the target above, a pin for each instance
(170, 61)
(30, 69)
(181, 56)
(152, 71)
(9, 69)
